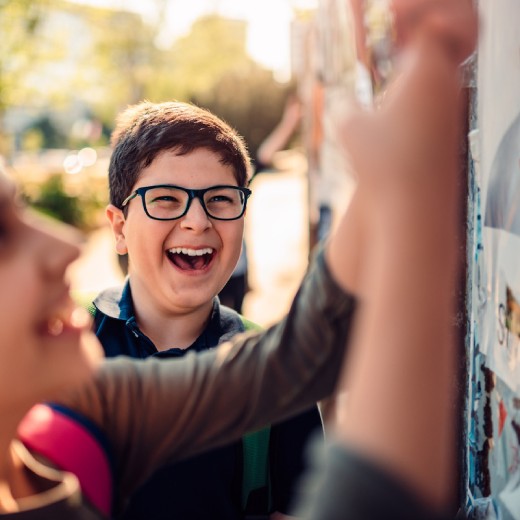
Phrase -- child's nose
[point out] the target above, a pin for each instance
(196, 218)
(57, 245)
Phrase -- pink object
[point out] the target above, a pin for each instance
(68, 443)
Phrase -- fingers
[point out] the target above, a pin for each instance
(452, 23)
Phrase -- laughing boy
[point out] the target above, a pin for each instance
(178, 196)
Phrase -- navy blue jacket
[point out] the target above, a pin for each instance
(208, 486)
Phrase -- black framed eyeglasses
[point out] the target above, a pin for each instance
(169, 202)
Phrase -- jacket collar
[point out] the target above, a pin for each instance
(223, 324)
(116, 302)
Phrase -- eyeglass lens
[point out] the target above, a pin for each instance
(168, 203)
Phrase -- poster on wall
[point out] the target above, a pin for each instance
(499, 171)
(496, 295)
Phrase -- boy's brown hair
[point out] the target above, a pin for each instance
(146, 129)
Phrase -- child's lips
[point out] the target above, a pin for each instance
(191, 260)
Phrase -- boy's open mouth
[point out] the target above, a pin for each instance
(191, 259)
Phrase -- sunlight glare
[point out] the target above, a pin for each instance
(269, 21)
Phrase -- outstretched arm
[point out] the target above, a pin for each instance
(400, 374)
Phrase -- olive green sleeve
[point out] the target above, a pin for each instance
(155, 412)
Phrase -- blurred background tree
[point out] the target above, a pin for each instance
(19, 21)
(52, 198)
(68, 69)
(64, 61)
(55, 202)
(249, 99)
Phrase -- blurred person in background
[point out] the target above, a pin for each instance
(233, 293)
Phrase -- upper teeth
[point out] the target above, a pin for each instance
(191, 252)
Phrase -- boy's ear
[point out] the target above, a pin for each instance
(117, 223)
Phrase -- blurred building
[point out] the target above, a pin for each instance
(337, 49)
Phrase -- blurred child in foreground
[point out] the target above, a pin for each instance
(395, 438)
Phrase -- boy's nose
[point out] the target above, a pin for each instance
(196, 218)
(56, 245)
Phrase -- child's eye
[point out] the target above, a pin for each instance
(220, 198)
(167, 198)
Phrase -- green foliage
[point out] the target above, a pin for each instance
(214, 47)
(50, 134)
(53, 200)
(123, 59)
(72, 61)
(20, 47)
(210, 67)
(250, 100)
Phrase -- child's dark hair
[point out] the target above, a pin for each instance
(145, 130)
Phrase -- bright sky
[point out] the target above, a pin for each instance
(269, 22)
